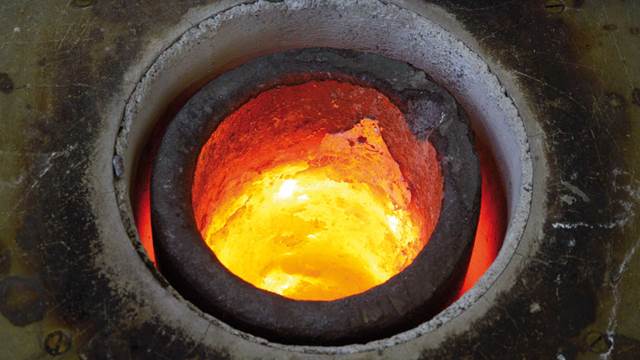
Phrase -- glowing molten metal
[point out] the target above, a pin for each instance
(491, 224)
(316, 191)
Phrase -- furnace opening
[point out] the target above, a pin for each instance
(210, 51)
(316, 191)
(491, 223)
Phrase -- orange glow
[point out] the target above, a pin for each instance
(142, 212)
(142, 193)
(320, 232)
(491, 223)
(313, 213)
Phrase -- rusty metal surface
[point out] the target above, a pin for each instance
(64, 62)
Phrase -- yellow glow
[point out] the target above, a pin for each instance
(326, 227)
(287, 188)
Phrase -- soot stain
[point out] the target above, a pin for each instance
(59, 235)
(635, 96)
(582, 148)
(6, 83)
(21, 300)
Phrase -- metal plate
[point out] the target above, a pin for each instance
(67, 68)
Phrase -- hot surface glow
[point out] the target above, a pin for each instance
(319, 211)
(317, 232)
(491, 224)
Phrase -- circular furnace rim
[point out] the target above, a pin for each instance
(408, 298)
(451, 62)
